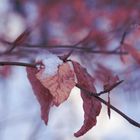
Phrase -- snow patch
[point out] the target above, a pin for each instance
(50, 62)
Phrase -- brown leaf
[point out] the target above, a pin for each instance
(42, 94)
(133, 51)
(102, 73)
(59, 85)
(111, 83)
(20, 39)
(5, 71)
(91, 105)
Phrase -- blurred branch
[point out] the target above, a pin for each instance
(75, 47)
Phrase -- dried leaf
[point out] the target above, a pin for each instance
(91, 105)
(42, 94)
(5, 71)
(108, 86)
(20, 39)
(102, 73)
(133, 51)
(111, 82)
(59, 85)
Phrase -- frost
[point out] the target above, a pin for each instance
(50, 62)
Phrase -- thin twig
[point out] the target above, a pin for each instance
(131, 121)
(110, 88)
(89, 93)
(18, 64)
(112, 52)
(75, 47)
(123, 37)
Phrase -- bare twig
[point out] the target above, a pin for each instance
(18, 64)
(79, 48)
(75, 47)
(123, 37)
(95, 95)
(65, 57)
(110, 88)
(131, 121)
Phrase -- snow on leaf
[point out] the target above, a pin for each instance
(60, 84)
(91, 105)
(42, 94)
(50, 62)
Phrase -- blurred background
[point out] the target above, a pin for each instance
(57, 25)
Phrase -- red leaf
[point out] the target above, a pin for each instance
(22, 37)
(42, 94)
(102, 73)
(111, 83)
(5, 71)
(59, 85)
(133, 51)
(91, 105)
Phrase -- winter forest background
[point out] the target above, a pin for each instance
(102, 28)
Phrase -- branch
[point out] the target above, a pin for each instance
(65, 57)
(112, 52)
(131, 121)
(18, 64)
(123, 37)
(110, 88)
(75, 47)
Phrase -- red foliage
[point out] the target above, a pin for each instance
(91, 105)
(42, 94)
(5, 71)
(59, 85)
(133, 51)
(106, 20)
(102, 73)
